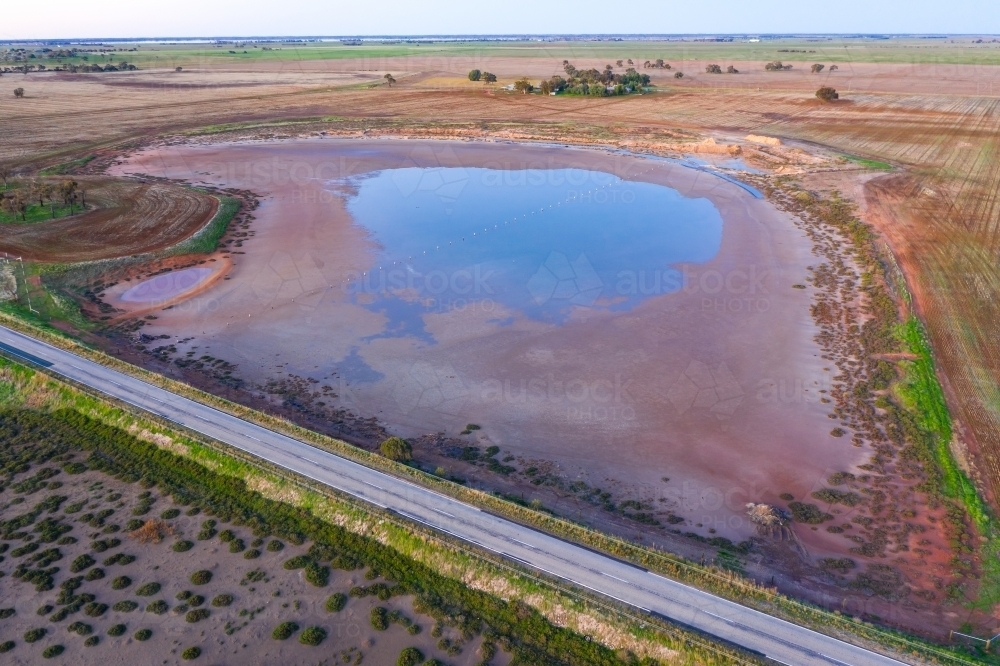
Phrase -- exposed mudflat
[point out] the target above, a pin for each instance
(716, 386)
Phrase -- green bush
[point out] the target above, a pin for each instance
(125, 606)
(312, 636)
(197, 615)
(33, 635)
(297, 562)
(7, 646)
(148, 589)
(396, 448)
(251, 554)
(237, 546)
(379, 618)
(95, 609)
(195, 600)
(222, 600)
(96, 573)
(284, 631)
(275, 546)
(9, 612)
(202, 577)
(191, 653)
(80, 628)
(170, 514)
(134, 524)
(336, 602)
(317, 575)
(143, 635)
(183, 546)
(81, 563)
(52, 651)
(226, 536)
(92, 641)
(158, 607)
(117, 630)
(410, 656)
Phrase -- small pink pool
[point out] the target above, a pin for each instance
(167, 286)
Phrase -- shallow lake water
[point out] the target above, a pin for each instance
(539, 243)
(627, 320)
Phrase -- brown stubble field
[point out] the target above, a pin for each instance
(936, 122)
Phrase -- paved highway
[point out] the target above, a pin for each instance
(779, 640)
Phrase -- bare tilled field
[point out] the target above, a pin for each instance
(140, 217)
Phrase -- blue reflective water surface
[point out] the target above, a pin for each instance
(539, 242)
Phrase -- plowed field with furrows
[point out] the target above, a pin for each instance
(131, 218)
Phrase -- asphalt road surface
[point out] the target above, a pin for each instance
(648, 592)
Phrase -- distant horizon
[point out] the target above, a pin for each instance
(678, 36)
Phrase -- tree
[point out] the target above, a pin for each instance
(618, 62)
(816, 69)
(41, 191)
(713, 69)
(16, 203)
(68, 192)
(679, 75)
(5, 173)
(475, 75)
(833, 68)
(523, 86)
(545, 87)
(489, 77)
(19, 92)
(396, 448)
(630, 61)
(827, 94)
(732, 70)
(389, 80)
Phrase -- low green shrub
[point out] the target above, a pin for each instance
(275, 546)
(251, 554)
(53, 651)
(195, 600)
(183, 546)
(33, 635)
(202, 577)
(125, 606)
(336, 602)
(117, 630)
(410, 657)
(148, 589)
(312, 636)
(9, 612)
(81, 563)
(7, 646)
(379, 618)
(120, 583)
(222, 600)
(134, 524)
(284, 631)
(143, 635)
(80, 628)
(191, 653)
(95, 609)
(197, 615)
(96, 573)
(158, 607)
(170, 514)
(92, 641)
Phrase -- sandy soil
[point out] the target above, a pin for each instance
(236, 634)
(717, 389)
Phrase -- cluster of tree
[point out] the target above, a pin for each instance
(485, 77)
(776, 66)
(389, 80)
(596, 83)
(17, 201)
(827, 94)
(19, 92)
(817, 68)
(36, 437)
(657, 64)
(716, 69)
(120, 67)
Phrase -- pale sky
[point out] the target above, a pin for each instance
(203, 18)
